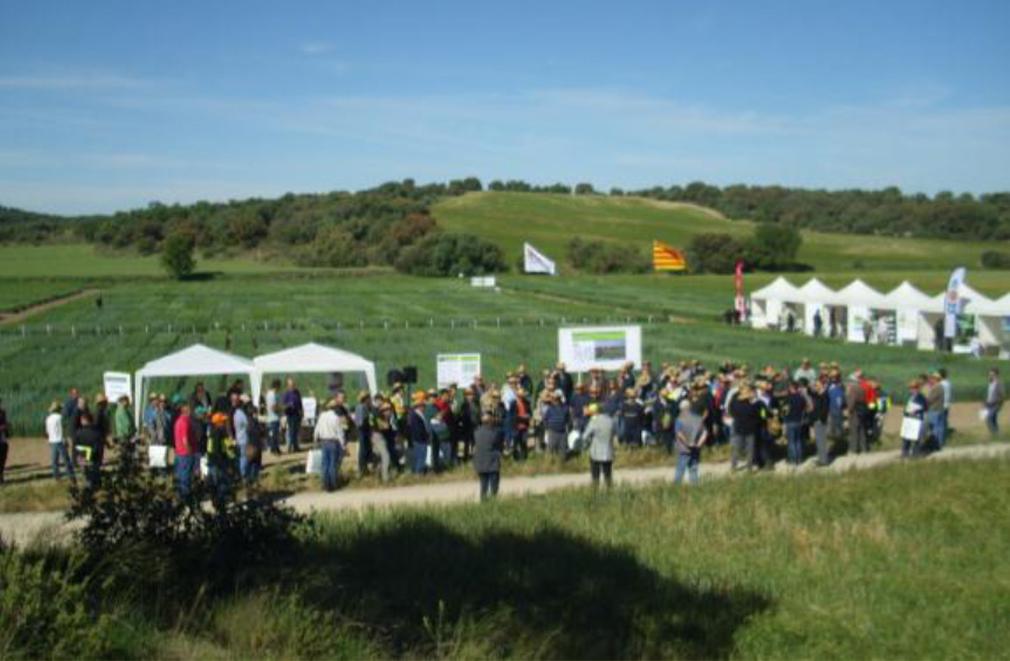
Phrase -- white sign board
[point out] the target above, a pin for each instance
(458, 368)
(117, 384)
(483, 281)
(606, 347)
(911, 429)
(309, 407)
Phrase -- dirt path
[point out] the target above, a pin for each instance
(7, 318)
(23, 528)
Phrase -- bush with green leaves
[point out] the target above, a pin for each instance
(603, 257)
(450, 254)
(177, 255)
(994, 259)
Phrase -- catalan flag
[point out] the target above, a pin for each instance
(667, 258)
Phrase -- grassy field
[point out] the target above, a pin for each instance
(903, 561)
(79, 260)
(550, 221)
(398, 321)
(18, 294)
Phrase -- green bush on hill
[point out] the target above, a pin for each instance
(772, 248)
(993, 259)
(604, 257)
(449, 254)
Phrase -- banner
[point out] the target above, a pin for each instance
(117, 384)
(952, 303)
(535, 261)
(458, 368)
(740, 302)
(483, 281)
(667, 258)
(606, 347)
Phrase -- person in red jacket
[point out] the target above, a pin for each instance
(185, 451)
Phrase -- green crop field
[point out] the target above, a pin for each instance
(550, 221)
(903, 561)
(18, 294)
(397, 320)
(78, 260)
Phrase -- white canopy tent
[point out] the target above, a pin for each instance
(315, 358)
(989, 316)
(768, 302)
(861, 301)
(915, 313)
(195, 360)
(818, 297)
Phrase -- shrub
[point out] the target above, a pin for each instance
(177, 255)
(992, 259)
(714, 253)
(452, 254)
(605, 257)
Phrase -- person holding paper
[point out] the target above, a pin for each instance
(912, 427)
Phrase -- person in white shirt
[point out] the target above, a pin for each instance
(57, 446)
(330, 433)
(273, 407)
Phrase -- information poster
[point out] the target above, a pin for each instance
(606, 347)
(117, 384)
(458, 368)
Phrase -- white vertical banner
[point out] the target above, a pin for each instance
(952, 302)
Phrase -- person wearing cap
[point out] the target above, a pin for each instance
(915, 408)
(418, 433)
(994, 397)
(329, 432)
(691, 436)
(57, 445)
(488, 446)
(599, 438)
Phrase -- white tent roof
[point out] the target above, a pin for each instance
(858, 292)
(907, 295)
(314, 357)
(778, 289)
(195, 360)
(815, 291)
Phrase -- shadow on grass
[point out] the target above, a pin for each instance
(548, 594)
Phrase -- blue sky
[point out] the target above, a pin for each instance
(110, 105)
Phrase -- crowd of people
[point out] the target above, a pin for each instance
(680, 407)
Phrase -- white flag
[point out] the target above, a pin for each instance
(535, 261)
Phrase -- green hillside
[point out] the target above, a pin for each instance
(549, 221)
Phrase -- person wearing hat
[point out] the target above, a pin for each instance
(57, 445)
(915, 408)
(691, 436)
(521, 417)
(418, 433)
(488, 445)
(329, 432)
(383, 428)
(599, 438)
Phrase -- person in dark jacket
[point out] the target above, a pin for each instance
(91, 445)
(793, 412)
(487, 450)
(564, 381)
(746, 415)
(418, 433)
(469, 420)
(631, 419)
(556, 425)
(819, 419)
